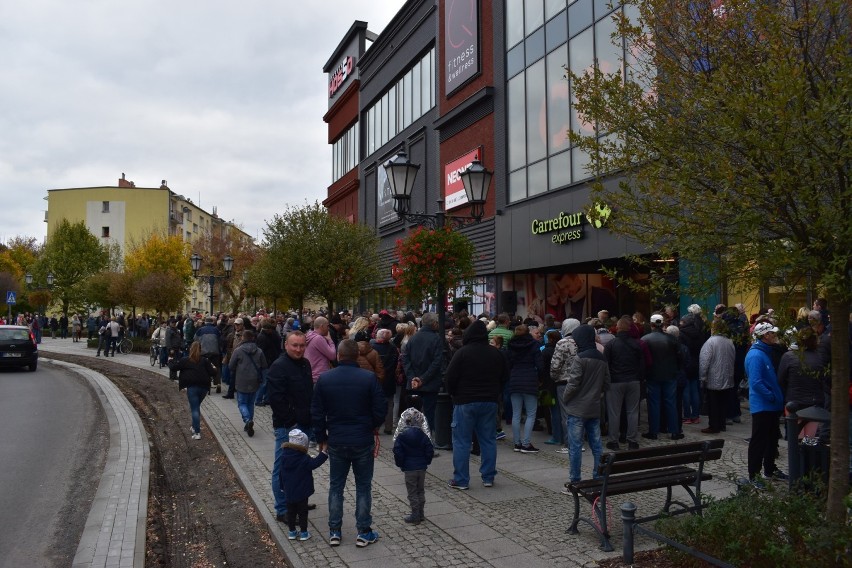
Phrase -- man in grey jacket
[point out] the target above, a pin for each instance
(246, 363)
(716, 373)
(588, 379)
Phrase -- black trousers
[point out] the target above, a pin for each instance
(297, 509)
(763, 446)
(716, 404)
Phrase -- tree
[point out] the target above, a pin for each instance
(72, 254)
(159, 253)
(163, 291)
(213, 247)
(311, 254)
(732, 130)
(432, 260)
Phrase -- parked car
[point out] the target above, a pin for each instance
(18, 347)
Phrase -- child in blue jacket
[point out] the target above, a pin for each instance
(297, 481)
(412, 453)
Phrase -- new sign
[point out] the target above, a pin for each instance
(454, 195)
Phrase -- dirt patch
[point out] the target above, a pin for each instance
(198, 513)
(645, 559)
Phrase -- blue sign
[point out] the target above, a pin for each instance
(10, 297)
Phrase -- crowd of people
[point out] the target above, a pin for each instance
(335, 381)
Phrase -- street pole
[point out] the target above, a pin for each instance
(212, 283)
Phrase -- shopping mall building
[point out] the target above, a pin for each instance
(453, 80)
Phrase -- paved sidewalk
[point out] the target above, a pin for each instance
(521, 521)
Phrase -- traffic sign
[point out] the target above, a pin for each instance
(10, 297)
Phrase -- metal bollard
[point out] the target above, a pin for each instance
(628, 517)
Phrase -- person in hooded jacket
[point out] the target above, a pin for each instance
(588, 379)
(563, 355)
(475, 378)
(246, 364)
(412, 453)
(524, 354)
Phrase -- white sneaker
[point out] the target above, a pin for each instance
(196, 436)
(562, 451)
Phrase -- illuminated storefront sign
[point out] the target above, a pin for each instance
(339, 75)
(567, 227)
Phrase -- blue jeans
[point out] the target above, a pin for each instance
(662, 392)
(577, 427)
(522, 401)
(556, 424)
(281, 435)
(691, 399)
(195, 395)
(226, 374)
(245, 402)
(164, 356)
(261, 392)
(360, 459)
(468, 418)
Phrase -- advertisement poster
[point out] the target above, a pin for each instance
(567, 295)
(461, 42)
(384, 198)
(454, 195)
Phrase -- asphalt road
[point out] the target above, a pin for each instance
(54, 437)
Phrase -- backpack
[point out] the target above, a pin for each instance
(209, 344)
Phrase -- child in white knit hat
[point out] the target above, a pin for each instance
(412, 453)
(297, 481)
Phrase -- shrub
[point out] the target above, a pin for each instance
(763, 529)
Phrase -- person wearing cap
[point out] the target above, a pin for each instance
(297, 480)
(662, 379)
(766, 401)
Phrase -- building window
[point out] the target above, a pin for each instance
(541, 106)
(188, 236)
(402, 104)
(344, 156)
(105, 207)
(105, 232)
(195, 227)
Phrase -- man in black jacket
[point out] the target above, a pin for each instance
(290, 389)
(475, 378)
(423, 358)
(626, 368)
(269, 341)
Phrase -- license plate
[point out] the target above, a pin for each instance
(13, 354)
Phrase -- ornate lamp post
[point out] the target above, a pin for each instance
(401, 175)
(227, 263)
(29, 280)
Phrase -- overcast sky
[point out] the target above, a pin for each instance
(224, 99)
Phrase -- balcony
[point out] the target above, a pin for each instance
(176, 217)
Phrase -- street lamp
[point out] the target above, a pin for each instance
(476, 179)
(227, 263)
(29, 280)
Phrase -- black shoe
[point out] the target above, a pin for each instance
(281, 518)
(622, 439)
(262, 404)
(227, 396)
(678, 436)
(218, 388)
(613, 446)
(250, 428)
(412, 519)
(649, 436)
(311, 506)
(633, 445)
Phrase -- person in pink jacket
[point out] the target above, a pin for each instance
(320, 350)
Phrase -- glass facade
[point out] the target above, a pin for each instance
(344, 153)
(408, 99)
(543, 37)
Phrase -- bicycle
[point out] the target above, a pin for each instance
(154, 354)
(125, 346)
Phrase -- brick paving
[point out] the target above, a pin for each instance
(522, 520)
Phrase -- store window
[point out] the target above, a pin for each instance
(543, 38)
(343, 153)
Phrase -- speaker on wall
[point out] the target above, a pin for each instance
(509, 301)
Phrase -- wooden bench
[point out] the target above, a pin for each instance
(631, 471)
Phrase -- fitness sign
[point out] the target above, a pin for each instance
(567, 227)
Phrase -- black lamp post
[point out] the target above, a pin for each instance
(476, 180)
(29, 280)
(227, 263)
